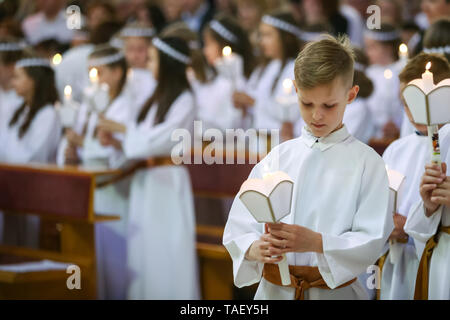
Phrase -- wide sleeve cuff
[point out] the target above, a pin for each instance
(245, 272)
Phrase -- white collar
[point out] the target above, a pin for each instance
(324, 142)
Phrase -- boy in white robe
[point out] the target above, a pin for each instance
(339, 219)
(429, 223)
(408, 155)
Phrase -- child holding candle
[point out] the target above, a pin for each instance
(280, 45)
(339, 217)
(213, 92)
(85, 144)
(382, 48)
(161, 215)
(408, 155)
(226, 43)
(31, 134)
(429, 220)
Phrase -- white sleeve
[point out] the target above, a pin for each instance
(41, 139)
(142, 142)
(348, 255)
(241, 230)
(421, 227)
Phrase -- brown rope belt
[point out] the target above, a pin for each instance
(302, 278)
(421, 290)
(149, 163)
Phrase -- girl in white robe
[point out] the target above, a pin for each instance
(31, 135)
(408, 155)
(161, 243)
(382, 47)
(112, 199)
(271, 81)
(229, 74)
(136, 39)
(422, 227)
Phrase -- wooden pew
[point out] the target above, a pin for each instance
(217, 181)
(24, 189)
(62, 195)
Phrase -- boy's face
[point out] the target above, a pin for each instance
(322, 108)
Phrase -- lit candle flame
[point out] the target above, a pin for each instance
(57, 59)
(388, 74)
(67, 91)
(403, 48)
(226, 51)
(428, 66)
(93, 75)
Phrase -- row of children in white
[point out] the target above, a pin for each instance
(139, 146)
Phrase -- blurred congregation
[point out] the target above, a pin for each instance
(133, 71)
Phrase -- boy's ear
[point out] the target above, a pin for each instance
(352, 94)
(295, 86)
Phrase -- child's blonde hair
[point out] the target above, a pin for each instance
(322, 61)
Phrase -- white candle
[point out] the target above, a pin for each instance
(427, 78)
(227, 54)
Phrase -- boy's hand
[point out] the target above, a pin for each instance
(293, 238)
(430, 181)
(441, 194)
(398, 232)
(260, 251)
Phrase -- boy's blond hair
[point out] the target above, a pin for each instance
(322, 61)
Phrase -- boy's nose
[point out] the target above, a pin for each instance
(317, 115)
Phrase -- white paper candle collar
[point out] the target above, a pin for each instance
(441, 50)
(137, 32)
(382, 36)
(12, 46)
(280, 24)
(164, 47)
(33, 62)
(222, 31)
(95, 62)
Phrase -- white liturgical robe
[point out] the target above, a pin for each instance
(341, 191)
(422, 228)
(161, 225)
(407, 156)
